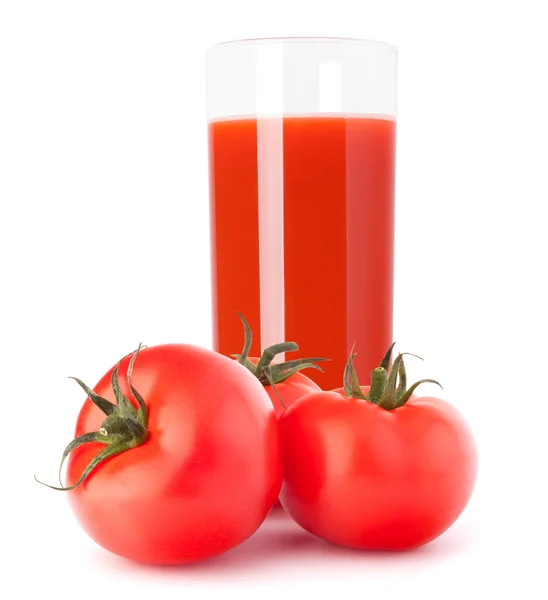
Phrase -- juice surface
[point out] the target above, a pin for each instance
(330, 180)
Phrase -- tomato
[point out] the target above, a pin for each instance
(376, 468)
(206, 474)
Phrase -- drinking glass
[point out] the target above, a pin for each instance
(302, 135)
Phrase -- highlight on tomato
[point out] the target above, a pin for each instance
(376, 467)
(176, 458)
(284, 382)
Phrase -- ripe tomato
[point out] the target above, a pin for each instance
(376, 468)
(206, 474)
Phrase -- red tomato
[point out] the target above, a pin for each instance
(207, 474)
(364, 476)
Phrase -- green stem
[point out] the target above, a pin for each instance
(352, 387)
(125, 426)
(92, 436)
(388, 398)
(270, 353)
(278, 372)
(385, 362)
(102, 403)
(388, 387)
(282, 371)
(268, 374)
(402, 383)
(378, 383)
(248, 338)
(405, 397)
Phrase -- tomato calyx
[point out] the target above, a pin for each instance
(388, 384)
(266, 372)
(124, 427)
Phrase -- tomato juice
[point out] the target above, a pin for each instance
(302, 236)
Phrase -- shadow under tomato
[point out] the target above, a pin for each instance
(282, 543)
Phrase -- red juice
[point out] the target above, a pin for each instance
(302, 218)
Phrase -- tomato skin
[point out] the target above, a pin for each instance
(290, 391)
(206, 477)
(364, 477)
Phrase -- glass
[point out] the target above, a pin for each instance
(302, 138)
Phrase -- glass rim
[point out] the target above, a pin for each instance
(303, 40)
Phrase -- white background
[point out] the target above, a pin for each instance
(104, 243)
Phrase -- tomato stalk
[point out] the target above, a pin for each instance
(266, 372)
(388, 384)
(124, 427)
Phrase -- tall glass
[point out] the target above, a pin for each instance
(302, 136)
